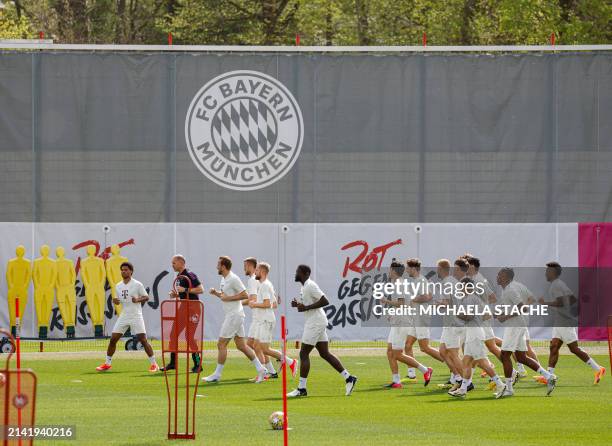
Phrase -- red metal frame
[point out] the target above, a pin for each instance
(610, 339)
(173, 310)
(284, 365)
(28, 376)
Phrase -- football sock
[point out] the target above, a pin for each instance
(108, 361)
(302, 383)
(345, 374)
(422, 369)
(395, 378)
(152, 359)
(260, 368)
(593, 364)
(270, 366)
(545, 373)
(219, 369)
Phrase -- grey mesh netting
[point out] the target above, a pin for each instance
(99, 136)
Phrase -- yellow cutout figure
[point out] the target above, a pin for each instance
(65, 291)
(93, 274)
(18, 275)
(113, 272)
(44, 275)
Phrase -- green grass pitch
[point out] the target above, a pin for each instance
(128, 406)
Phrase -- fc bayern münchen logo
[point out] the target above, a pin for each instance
(244, 130)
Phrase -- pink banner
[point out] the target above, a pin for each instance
(594, 257)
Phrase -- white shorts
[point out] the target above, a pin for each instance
(252, 329)
(566, 334)
(489, 333)
(418, 328)
(397, 337)
(314, 333)
(263, 331)
(527, 338)
(452, 337)
(134, 323)
(514, 339)
(475, 348)
(233, 325)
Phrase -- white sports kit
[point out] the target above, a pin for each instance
(233, 322)
(315, 321)
(264, 319)
(131, 316)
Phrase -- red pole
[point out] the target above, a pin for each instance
(424, 38)
(284, 340)
(297, 40)
(18, 351)
(169, 38)
(552, 39)
(41, 35)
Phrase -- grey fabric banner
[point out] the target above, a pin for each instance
(93, 137)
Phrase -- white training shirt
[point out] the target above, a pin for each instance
(252, 285)
(397, 320)
(563, 315)
(421, 287)
(448, 320)
(479, 278)
(514, 294)
(230, 286)
(265, 291)
(125, 292)
(309, 294)
(473, 331)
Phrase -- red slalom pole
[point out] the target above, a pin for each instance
(18, 351)
(284, 340)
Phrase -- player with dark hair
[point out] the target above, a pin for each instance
(131, 294)
(398, 334)
(311, 303)
(453, 330)
(420, 330)
(515, 335)
(560, 298)
(488, 297)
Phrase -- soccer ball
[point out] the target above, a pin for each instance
(276, 421)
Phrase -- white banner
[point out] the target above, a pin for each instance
(335, 252)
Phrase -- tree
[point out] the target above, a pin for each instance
(319, 22)
(13, 25)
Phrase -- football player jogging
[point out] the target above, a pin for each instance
(398, 333)
(231, 293)
(560, 298)
(488, 297)
(131, 294)
(528, 299)
(264, 319)
(250, 263)
(474, 352)
(419, 330)
(311, 303)
(514, 340)
(453, 331)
